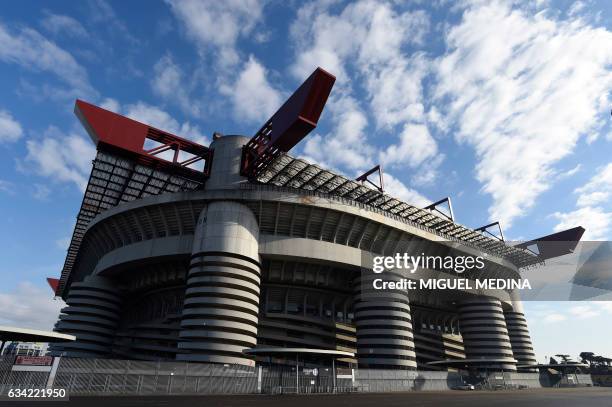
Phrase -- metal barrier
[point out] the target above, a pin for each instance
(11, 379)
(105, 376)
(108, 376)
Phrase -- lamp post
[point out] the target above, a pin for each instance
(334, 373)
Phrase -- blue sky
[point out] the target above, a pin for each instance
(504, 106)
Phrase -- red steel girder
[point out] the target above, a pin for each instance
(53, 283)
(297, 117)
(115, 133)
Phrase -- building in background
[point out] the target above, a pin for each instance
(25, 349)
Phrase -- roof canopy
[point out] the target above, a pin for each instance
(13, 334)
(283, 351)
(470, 362)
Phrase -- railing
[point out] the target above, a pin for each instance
(107, 376)
(10, 379)
(102, 376)
(279, 390)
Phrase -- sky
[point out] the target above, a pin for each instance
(502, 105)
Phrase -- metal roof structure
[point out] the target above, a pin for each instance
(291, 123)
(282, 351)
(115, 180)
(14, 334)
(287, 171)
(470, 362)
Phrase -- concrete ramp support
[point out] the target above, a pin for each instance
(220, 313)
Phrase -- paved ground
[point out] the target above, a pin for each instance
(583, 397)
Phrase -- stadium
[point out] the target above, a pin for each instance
(233, 252)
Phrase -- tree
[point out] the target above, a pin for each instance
(587, 357)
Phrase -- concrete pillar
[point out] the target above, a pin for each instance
(92, 316)
(384, 325)
(484, 332)
(225, 171)
(522, 348)
(221, 308)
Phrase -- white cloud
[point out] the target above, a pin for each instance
(583, 311)
(437, 119)
(10, 129)
(6, 186)
(63, 243)
(31, 50)
(41, 192)
(596, 220)
(216, 28)
(416, 146)
(365, 45)
(30, 307)
(554, 317)
(396, 91)
(160, 119)
(598, 190)
(369, 36)
(110, 104)
(606, 306)
(58, 24)
(592, 207)
(576, 8)
(527, 86)
(593, 198)
(61, 157)
(346, 146)
(569, 173)
(102, 12)
(218, 24)
(396, 188)
(169, 82)
(252, 96)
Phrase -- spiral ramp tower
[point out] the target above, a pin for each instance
(518, 332)
(221, 308)
(384, 326)
(92, 314)
(485, 334)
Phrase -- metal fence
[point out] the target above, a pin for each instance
(10, 379)
(105, 376)
(108, 376)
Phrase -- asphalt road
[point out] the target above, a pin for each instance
(580, 397)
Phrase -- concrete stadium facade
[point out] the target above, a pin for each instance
(203, 275)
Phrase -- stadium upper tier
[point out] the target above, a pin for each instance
(115, 180)
(290, 172)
